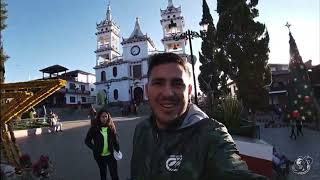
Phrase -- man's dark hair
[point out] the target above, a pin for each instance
(166, 58)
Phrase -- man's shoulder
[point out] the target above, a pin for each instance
(214, 129)
(212, 125)
(144, 124)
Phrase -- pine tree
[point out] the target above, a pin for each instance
(243, 51)
(210, 77)
(3, 57)
(300, 105)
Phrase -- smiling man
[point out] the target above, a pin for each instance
(179, 141)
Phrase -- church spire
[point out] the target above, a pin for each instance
(137, 31)
(109, 16)
(170, 3)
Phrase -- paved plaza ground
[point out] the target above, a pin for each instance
(309, 144)
(74, 161)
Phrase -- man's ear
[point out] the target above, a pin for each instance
(189, 90)
(147, 90)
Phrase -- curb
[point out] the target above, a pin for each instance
(47, 130)
(31, 132)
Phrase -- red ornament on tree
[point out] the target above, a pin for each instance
(307, 99)
(295, 114)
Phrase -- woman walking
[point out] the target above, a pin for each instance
(101, 139)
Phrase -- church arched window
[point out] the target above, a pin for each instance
(115, 94)
(114, 71)
(103, 76)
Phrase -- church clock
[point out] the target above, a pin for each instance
(135, 50)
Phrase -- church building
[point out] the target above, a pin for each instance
(123, 77)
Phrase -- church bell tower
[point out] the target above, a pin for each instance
(172, 23)
(108, 39)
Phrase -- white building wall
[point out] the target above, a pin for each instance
(91, 78)
(98, 74)
(77, 98)
(165, 16)
(115, 41)
(122, 71)
(144, 67)
(144, 81)
(92, 89)
(82, 78)
(123, 91)
(67, 96)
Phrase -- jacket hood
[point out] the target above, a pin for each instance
(193, 116)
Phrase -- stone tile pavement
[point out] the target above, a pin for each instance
(309, 144)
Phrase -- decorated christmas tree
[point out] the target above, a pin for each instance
(300, 105)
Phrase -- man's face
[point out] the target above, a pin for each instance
(168, 91)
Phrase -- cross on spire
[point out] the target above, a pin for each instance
(288, 26)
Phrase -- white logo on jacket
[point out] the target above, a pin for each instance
(173, 162)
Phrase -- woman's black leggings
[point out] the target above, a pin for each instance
(103, 162)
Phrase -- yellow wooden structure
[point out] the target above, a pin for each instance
(17, 98)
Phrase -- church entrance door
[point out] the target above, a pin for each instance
(138, 95)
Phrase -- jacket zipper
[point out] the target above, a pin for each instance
(153, 153)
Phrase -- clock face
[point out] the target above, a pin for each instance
(135, 50)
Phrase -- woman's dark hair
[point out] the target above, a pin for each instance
(98, 121)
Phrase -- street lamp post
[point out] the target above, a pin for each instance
(190, 35)
(107, 98)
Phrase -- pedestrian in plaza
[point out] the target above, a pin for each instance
(179, 141)
(293, 126)
(126, 109)
(92, 115)
(102, 140)
(135, 108)
(122, 109)
(299, 128)
(54, 121)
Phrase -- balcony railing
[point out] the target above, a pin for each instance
(75, 91)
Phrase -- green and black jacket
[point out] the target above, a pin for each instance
(198, 148)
